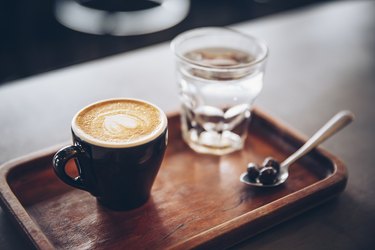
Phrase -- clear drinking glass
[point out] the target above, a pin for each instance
(220, 73)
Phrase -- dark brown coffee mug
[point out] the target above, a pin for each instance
(120, 177)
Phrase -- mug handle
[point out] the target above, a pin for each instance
(59, 162)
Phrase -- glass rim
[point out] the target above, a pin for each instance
(200, 32)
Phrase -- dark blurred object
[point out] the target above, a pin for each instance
(32, 41)
(112, 17)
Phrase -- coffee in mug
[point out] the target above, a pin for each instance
(118, 147)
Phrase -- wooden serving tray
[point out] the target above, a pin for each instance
(197, 200)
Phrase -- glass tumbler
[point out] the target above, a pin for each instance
(220, 73)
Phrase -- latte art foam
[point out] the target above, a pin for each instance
(119, 121)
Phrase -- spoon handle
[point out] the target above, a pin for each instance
(339, 121)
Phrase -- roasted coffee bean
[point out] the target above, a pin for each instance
(267, 175)
(271, 162)
(253, 171)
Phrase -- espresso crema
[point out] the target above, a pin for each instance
(119, 122)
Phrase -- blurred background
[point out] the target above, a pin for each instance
(38, 36)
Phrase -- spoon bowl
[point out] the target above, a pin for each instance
(281, 178)
(336, 123)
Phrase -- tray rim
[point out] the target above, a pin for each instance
(337, 180)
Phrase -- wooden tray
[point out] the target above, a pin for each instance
(197, 200)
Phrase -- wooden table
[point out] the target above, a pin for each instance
(321, 61)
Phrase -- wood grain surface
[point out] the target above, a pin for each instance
(197, 200)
